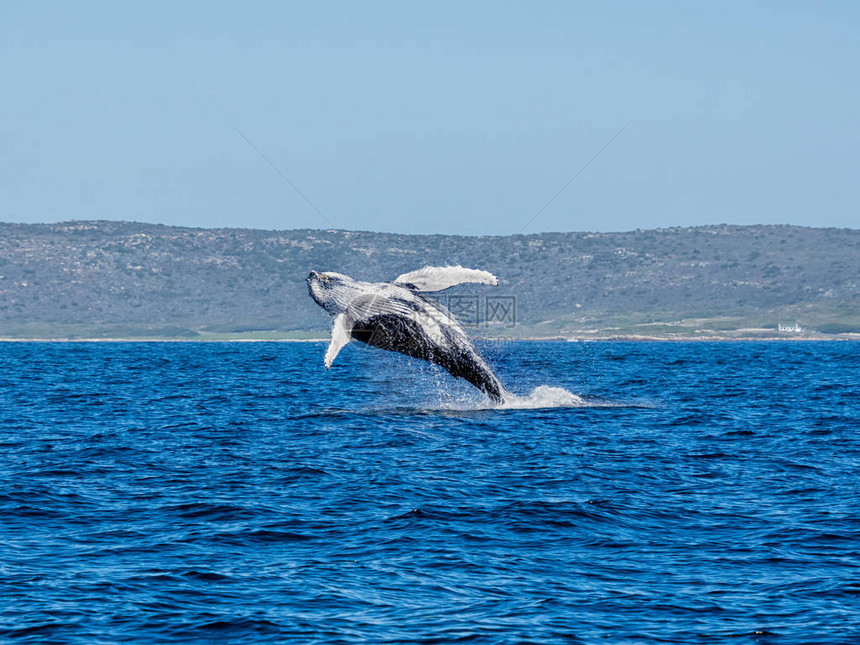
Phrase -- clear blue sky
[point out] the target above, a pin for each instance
(442, 117)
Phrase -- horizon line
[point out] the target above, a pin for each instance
(478, 235)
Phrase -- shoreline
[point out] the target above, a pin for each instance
(616, 338)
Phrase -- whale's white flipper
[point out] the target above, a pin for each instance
(441, 278)
(340, 336)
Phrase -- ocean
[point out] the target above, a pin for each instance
(237, 492)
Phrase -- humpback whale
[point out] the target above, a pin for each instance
(395, 316)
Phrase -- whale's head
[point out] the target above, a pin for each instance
(332, 291)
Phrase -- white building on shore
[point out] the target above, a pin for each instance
(790, 329)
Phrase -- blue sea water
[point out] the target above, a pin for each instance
(238, 492)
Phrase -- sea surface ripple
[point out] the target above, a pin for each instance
(238, 492)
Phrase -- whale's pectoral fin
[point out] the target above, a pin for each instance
(340, 336)
(441, 278)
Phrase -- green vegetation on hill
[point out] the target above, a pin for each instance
(120, 279)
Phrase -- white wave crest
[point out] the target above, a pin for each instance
(544, 396)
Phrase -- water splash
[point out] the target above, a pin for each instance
(543, 396)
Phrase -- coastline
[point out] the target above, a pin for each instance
(613, 338)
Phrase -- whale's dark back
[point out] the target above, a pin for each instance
(402, 334)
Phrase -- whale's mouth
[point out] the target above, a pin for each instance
(329, 291)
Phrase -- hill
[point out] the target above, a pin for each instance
(121, 279)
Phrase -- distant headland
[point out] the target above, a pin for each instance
(125, 280)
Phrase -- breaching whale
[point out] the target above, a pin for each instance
(396, 316)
